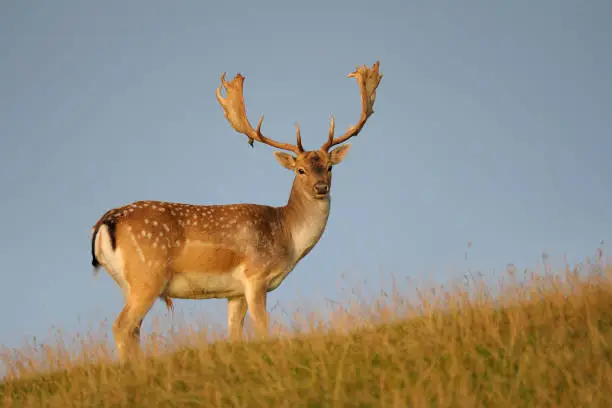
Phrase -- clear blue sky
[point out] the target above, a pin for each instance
(493, 124)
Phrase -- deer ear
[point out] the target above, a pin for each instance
(286, 160)
(337, 155)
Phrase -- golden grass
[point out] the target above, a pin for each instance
(541, 343)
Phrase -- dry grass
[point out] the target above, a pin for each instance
(541, 343)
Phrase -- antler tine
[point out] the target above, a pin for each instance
(332, 127)
(368, 80)
(298, 136)
(235, 113)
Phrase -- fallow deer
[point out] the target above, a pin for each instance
(240, 252)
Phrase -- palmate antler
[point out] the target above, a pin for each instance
(368, 80)
(235, 113)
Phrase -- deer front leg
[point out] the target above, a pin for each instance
(236, 311)
(255, 294)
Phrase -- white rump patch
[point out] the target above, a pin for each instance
(112, 261)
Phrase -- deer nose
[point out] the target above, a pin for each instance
(321, 188)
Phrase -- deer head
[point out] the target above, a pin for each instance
(313, 169)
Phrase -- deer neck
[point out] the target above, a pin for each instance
(305, 219)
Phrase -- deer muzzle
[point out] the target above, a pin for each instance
(321, 188)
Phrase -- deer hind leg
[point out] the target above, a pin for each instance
(126, 328)
(236, 312)
(144, 289)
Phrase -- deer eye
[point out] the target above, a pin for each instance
(301, 171)
(329, 168)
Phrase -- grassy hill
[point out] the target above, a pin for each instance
(543, 343)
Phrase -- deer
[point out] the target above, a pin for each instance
(167, 250)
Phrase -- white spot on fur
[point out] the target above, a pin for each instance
(138, 249)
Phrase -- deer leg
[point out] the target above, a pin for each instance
(236, 312)
(255, 294)
(126, 328)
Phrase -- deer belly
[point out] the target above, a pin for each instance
(201, 285)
